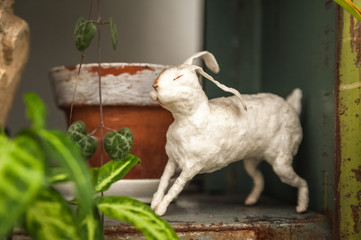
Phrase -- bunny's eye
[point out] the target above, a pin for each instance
(177, 77)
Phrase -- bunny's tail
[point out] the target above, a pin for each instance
(294, 99)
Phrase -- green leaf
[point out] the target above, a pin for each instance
(21, 176)
(113, 171)
(50, 217)
(90, 227)
(138, 214)
(88, 145)
(36, 110)
(114, 33)
(94, 174)
(350, 7)
(84, 33)
(58, 175)
(69, 157)
(118, 144)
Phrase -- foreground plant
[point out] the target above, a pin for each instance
(350, 7)
(29, 199)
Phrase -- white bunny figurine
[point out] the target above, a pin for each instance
(207, 135)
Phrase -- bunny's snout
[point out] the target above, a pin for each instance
(153, 95)
(155, 84)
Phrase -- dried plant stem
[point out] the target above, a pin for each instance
(76, 84)
(99, 21)
(101, 125)
(78, 74)
(90, 9)
(107, 128)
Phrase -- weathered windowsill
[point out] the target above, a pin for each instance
(210, 217)
(224, 217)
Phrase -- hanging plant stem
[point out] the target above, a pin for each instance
(80, 65)
(101, 125)
(76, 84)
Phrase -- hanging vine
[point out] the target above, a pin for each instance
(85, 31)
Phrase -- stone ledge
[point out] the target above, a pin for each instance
(221, 217)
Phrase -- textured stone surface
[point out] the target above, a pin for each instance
(199, 216)
(14, 51)
(226, 217)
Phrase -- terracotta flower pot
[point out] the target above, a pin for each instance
(126, 103)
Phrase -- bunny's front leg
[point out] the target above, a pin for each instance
(164, 182)
(173, 192)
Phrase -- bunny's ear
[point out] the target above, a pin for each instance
(208, 59)
(221, 86)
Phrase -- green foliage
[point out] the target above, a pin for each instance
(114, 33)
(27, 196)
(21, 176)
(58, 175)
(113, 171)
(77, 133)
(36, 110)
(90, 226)
(138, 214)
(50, 216)
(22, 171)
(118, 144)
(84, 33)
(350, 7)
(69, 157)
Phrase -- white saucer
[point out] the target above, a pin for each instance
(140, 189)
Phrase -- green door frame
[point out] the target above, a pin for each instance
(348, 129)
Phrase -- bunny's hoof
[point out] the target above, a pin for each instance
(301, 209)
(250, 201)
(160, 211)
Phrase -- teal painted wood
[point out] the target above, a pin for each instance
(233, 34)
(276, 46)
(231, 28)
(222, 33)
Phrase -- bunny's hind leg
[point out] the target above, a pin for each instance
(282, 166)
(164, 182)
(250, 165)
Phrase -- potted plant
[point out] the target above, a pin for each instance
(108, 96)
(28, 195)
(28, 198)
(126, 103)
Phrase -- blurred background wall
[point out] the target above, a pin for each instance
(156, 31)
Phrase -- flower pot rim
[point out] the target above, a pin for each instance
(108, 65)
(122, 83)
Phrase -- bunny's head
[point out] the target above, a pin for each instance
(178, 89)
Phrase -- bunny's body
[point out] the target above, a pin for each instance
(221, 133)
(207, 135)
